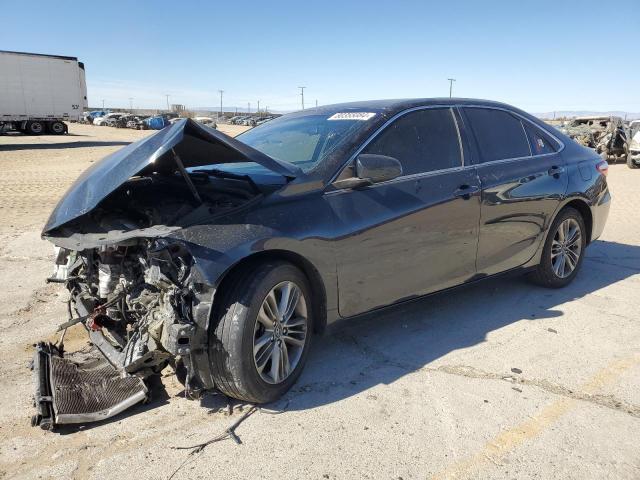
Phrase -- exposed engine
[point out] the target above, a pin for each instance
(135, 295)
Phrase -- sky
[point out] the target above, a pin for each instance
(538, 55)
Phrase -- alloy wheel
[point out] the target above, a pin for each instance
(566, 248)
(280, 332)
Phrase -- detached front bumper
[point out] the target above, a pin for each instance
(79, 390)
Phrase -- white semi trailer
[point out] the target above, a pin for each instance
(38, 93)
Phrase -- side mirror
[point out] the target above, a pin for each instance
(370, 169)
(377, 168)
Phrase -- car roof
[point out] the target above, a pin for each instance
(392, 106)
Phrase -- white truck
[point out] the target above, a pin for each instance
(39, 92)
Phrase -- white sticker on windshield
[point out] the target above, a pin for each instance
(362, 116)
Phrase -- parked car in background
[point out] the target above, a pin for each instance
(239, 120)
(105, 119)
(224, 255)
(633, 160)
(605, 134)
(208, 121)
(157, 122)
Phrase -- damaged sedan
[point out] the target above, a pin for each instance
(221, 256)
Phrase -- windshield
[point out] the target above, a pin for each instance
(304, 140)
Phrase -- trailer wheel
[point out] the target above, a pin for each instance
(57, 128)
(35, 128)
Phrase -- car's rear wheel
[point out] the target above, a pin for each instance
(630, 162)
(261, 338)
(563, 250)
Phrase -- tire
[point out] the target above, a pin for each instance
(551, 272)
(236, 332)
(57, 128)
(35, 128)
(630, 162)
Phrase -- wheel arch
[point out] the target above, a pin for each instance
(585, 211)
(318, 288)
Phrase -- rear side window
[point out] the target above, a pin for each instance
(540, 143)
(499, 134)
(423, 141)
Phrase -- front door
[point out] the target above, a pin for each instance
(417, 233)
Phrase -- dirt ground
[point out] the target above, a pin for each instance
(497, 380)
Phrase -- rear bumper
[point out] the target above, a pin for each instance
(600, 213)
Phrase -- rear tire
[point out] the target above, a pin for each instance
(35, 128)
(57, 128)
(563, 253)
(243, 351)
(630, 162)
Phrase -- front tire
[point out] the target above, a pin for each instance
(261, 337)
(563, 251)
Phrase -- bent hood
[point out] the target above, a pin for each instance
(196, 144)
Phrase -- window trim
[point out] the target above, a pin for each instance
(463, 164)
(521, 118)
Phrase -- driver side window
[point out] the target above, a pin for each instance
(423, 141)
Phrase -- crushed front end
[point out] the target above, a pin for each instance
(135, 301)
(135, 283)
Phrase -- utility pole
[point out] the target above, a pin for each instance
(167, 95)
(248, 107)
(220, 92)
(258, 107)
(451, 80)
(131, 104)
(316, 103)
(302, 95)
(103, 103)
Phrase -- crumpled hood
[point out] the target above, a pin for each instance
(196, 144)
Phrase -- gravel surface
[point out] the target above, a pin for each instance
(497, 380)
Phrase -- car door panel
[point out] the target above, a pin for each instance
(405, 238)
(518, 198)
(519, 194)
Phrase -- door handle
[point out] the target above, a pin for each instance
(465, 191)
(555, 171)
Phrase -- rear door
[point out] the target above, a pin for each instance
(523, 180)
(417, 233)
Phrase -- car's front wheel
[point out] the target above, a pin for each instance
(260, 339)
(563, 250)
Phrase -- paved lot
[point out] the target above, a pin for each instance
(427, 390)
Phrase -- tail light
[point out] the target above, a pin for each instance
(603, 167)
